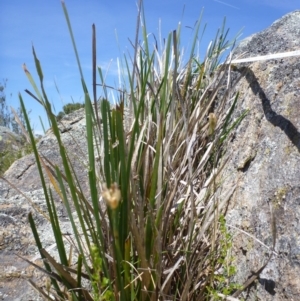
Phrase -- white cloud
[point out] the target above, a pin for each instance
(227, 4)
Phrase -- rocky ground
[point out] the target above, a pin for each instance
(16, 239)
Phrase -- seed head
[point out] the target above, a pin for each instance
(212, 120)
(112, 195)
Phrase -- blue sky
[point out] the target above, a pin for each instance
(24, 23)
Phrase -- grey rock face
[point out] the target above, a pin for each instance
(24, 173)
(265, 161)
(282, 35)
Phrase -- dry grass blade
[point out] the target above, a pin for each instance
(171, 271)
(40, 291)
(66, 277)
(254, 238)
(227, 298)
(50, 274)
(24, 132)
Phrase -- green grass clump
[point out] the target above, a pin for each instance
(8, 155)
(69, 108)
(150, 226)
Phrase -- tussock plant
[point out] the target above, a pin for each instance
(151, 226)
